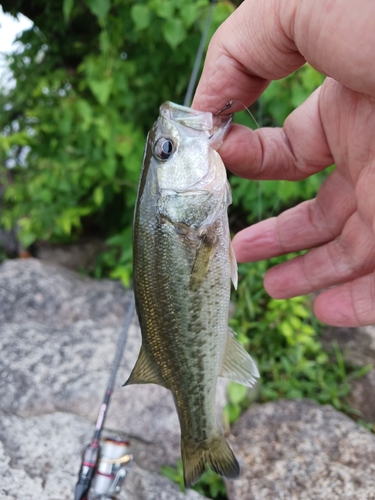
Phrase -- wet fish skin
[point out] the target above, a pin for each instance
(183, 262)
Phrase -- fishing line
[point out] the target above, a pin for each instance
(259, 124)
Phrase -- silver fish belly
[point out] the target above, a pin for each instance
(183, 264)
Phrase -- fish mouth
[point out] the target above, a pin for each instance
(214, 127)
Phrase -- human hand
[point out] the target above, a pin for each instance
(262, 41)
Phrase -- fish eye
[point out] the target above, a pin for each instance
(164, 148)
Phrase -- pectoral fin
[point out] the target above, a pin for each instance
(233, 266)
(202, 262)
(144, 372)
(238, 364)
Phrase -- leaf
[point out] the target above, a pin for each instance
(99, 8)
(85, 111)
(101, 90)
(27, 239)
(98, 196)
(170, 473)
(236, 392)
(286, 329)
(174, 32)
(109, 168)
(232, 412)
(124, 145)
(65, 223)
(301, 311)
(295, 322)
(122, 273)
(104, 42)
(67, 9)
(189, 14)
(164, 9)
(141, 17)
(298, 95)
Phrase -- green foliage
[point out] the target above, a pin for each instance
(116, 262)
(89, 81)
(283, 96)
(74, 127)
(283, 337)
(210, 484)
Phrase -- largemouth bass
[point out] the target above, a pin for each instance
(183, 264)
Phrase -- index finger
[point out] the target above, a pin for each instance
(263, 41)
(247, 51)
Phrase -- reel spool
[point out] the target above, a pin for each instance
(115, 461)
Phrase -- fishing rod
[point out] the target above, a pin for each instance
(114, 455)
(198, 57)
(104, 467)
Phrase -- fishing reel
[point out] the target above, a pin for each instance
(114, 463)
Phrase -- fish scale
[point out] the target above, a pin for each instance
(183, 263)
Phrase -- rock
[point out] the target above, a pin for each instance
(58, 336)
(145, 486)
(358, 347)
(298, 450)
(54, 296)
(8, 242)
(45, 465)
(361, 396)
(357, 344)
(80, 255)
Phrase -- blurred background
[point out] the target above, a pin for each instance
(80, 88)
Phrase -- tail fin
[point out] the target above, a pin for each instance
(216, 452)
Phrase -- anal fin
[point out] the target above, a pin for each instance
(238, 365)
(144, 372)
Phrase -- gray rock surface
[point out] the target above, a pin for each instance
(357, 344)
(55, 296)
(8, 241)
(298, 450)
(58, 336)
(40, 458)
(358, 347)
(80, 255)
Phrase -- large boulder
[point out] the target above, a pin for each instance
(80, 255)
(40, 459)
(58, 337)
(358, 348)
(298, 450)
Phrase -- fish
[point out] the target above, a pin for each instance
(182, 268)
